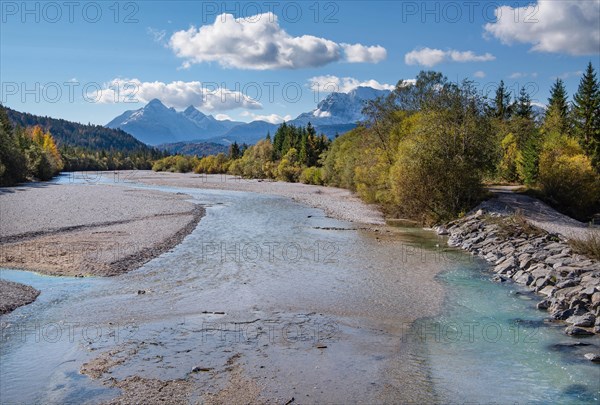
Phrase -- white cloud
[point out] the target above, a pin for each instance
(567, 75)
(565, 26)
(330, 83)
(176, 94)
(431, 57)
(223, 117)
(522, 75)
(359, 53)
(271, 118)
(259, 43)
(480, 74)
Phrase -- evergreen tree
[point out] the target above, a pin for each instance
(305, 149)
(557, 114)
(586, 109)
(502, 105)
(234, 151)
(523, 105)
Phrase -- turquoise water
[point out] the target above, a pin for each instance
(492, 345)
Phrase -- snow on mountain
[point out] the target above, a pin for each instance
(340, 108)
(157, 124)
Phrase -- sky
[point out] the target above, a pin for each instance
(89, 61)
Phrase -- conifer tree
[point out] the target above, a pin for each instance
(557, 114)
(586, 111)
(502, 105)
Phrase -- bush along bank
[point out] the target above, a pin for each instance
(569, 283)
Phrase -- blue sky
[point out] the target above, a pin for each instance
(87, 61)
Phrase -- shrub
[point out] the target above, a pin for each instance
(567, 179)
(178, 163)
(312, 175)
(212, 164)
(289, 168)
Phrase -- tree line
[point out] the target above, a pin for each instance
(293, 154)
(427, 150)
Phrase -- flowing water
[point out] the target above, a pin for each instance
(309, 307)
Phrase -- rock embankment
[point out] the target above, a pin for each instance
(568, 283)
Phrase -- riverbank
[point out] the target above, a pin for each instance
(15, 295)
(89, 230)
(336, 202)
(527, 242)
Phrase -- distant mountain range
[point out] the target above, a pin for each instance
(157, 124)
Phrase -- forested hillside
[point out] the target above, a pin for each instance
(67, 133)
(37, 148)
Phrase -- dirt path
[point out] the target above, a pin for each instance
(536, 212)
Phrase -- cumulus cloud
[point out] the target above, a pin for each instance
(566, 26)
(177, 94)
(431, 57)
(480, 74)
(359, 53)
(259, 43)
(330, 83)
(271, 118)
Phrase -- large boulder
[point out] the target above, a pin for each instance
(577, 331)
(585, 320)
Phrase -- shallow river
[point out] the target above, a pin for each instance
(310, 307)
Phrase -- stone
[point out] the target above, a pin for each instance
(506, 266)
(563, 314)
(441, 230)
(523, 278)
(576, 331)
(541, 282)
(566, 284)
(200, 369)
(540, 255)
(595, 357)
(551, 260)
(545, 304)
(585, 320)
(548, 290)
(508, 250)
(525, 263)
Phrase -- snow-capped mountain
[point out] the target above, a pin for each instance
(341, 108)
(157, 124)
